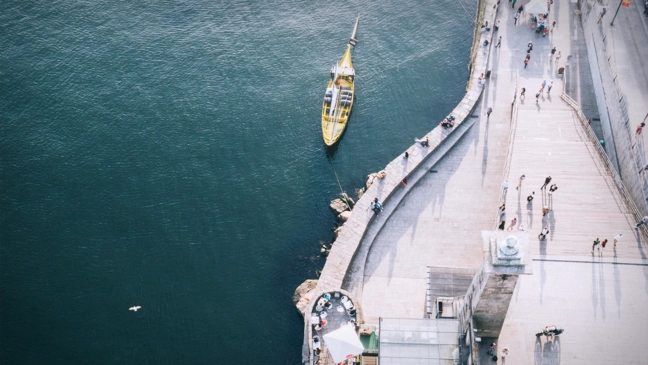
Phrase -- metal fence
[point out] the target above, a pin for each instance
(636, 212)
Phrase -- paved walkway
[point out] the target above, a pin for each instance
(595, 297)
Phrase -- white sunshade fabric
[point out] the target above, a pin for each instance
(343, 343)
(536, 7)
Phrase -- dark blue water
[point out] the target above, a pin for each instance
(169, 155)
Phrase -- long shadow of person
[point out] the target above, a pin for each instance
(552, 223)
(551, 352)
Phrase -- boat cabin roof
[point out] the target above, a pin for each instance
(347, 71)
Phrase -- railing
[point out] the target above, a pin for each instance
(468, 306)
(606, 160)
(471, 298)
(512, 126)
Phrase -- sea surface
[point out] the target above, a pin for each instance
(168, 154)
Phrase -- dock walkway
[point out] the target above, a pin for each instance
(598, 298)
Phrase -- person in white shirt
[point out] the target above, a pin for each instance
(618, 238)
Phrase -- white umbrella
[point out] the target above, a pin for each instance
(343, 343)
(536, 7)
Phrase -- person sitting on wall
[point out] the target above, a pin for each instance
(447, 123)
(424, 142)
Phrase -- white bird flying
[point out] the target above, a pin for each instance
(135, 308)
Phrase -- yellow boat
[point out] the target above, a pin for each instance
(339, 96)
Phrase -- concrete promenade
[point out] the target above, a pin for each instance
(599, 298)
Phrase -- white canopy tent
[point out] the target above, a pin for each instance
(536, 7)
(343, 343)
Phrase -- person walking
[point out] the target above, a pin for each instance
(520, 181)
(526, 60)
(552, 53)
(530, 45)
(553, 188)
(639, 128)
(501, 225)
(488, 112)
(603, 12)
(502, 209)
(530, 197)
(547, 181)
(492, 348)
(513, 224)
(605, 241)
(553, 25)
(558, 57)
(549, 87)
(544, 83)
(499, 42)
(617, 238)
(538, 96)
(641, 222)
(515, 18)
(505, 352)
(522, 96)
(595, 243)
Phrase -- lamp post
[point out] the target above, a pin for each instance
(619, 7)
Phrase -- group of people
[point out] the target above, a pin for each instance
(542, 88)
(544, 28)
(545, 209)
(492, 351)
(600, 245)
(448, 122)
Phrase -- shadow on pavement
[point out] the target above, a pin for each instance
(547, 351)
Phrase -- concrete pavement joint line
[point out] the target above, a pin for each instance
(591, 262)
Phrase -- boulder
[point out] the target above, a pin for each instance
(344, 216)
(336, 232)
(370, 180)
(347, 199)
(300, 298)
(338, 206)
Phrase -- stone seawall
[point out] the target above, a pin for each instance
(363, 225)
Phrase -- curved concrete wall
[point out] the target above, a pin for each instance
(413, 168)
(363, 224)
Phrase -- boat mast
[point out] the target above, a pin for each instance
(353, 41)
